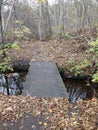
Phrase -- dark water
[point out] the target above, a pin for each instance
(15, 83)
(78, 89)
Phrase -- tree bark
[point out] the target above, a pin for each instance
(1, 28)
(40, 21)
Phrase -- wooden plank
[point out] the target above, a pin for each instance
(44, 80)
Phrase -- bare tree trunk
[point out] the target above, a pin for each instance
(1, 28)
(3, 24)
(78, 13)
(9, 16)
(84, 10)
(55, 23)
(48, 23)
(40, 21)
(68, 10)
(61, 20)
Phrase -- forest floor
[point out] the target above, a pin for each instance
(58, 113)
(61, 51)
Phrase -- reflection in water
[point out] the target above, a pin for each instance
(15, 83)
(78, 89)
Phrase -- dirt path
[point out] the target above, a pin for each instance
(59, 52)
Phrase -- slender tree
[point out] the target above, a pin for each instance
(1, 28)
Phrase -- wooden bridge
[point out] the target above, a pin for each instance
(44, 80)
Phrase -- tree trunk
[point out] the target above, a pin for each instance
(40, 21)
(61, 19)
(7, 84)
(1, 28)
(48, 23)
(9, 16)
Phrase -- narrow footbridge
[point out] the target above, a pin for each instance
(44, 80)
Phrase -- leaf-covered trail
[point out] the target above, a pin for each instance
(47, 51)
(50, 113)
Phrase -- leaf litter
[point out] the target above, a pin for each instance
(58, 112)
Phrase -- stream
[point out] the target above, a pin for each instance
(15, 82)
(77, 89)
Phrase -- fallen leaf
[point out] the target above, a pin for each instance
(21, 127)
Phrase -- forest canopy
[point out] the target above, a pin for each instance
(43, 20)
